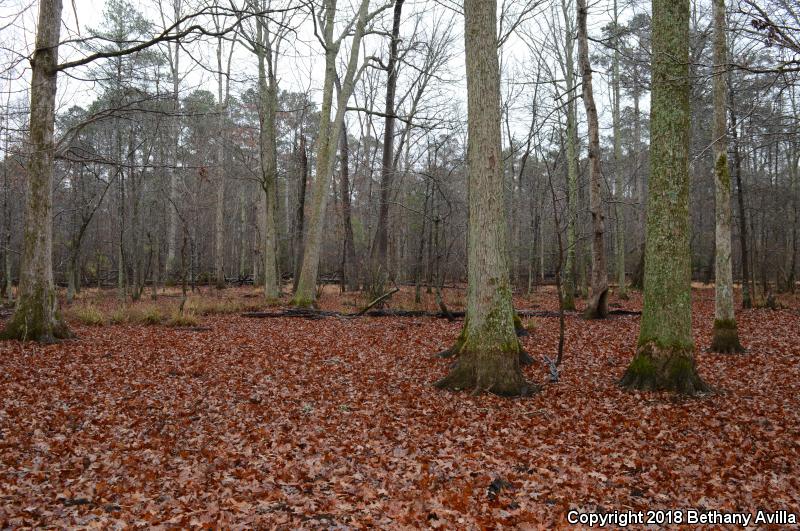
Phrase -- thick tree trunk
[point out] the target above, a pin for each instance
(597, 307)
(725, 334)
(665, 354)
(489, 353)
(379, 266)
(36, 316)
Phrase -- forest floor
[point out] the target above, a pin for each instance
(299, 423)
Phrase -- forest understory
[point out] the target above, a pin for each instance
(334, 423)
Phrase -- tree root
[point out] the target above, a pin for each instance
(598, 306)
(726, 338)
(468, 377)
(663, 369)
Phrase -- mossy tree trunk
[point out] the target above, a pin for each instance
(597, 306)
(665, 354)
(489, 354)
(725, 333)
(36, 316)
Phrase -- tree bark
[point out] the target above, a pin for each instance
(597, 307)
(379, 267)
(36, 316)
(299, 233)
(570, 267)
(219, 217)
(350, 267)
(489, 353)
(725, 333)
(268, 99)
(665, 353)
(747, 301)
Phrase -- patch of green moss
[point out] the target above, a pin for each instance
(642, 366)
(721, 169)
(724, 324)
(679, 369)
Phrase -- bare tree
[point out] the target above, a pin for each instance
(597, 307)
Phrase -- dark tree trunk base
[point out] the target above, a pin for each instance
(501, 378)
(21, 329)
(663, 369)
(598, 306)
(726, 338)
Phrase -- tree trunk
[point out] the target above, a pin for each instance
(489, 353)
(219, 204)
(268, 98)
(379, 266)
(597, 307)
(619, 196)
(747, 301)
(350, 267)
(725, 333)
(300, 212)
(172, 219)
(570, 267)
(665, 354)
(638, 275)
(36, 316)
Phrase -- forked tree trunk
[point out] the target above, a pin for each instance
(597, 307)
(725, 333)
(36, 316)
(489, 353)
(665, 353)
(327, 141)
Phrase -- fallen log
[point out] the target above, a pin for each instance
(387, 312)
